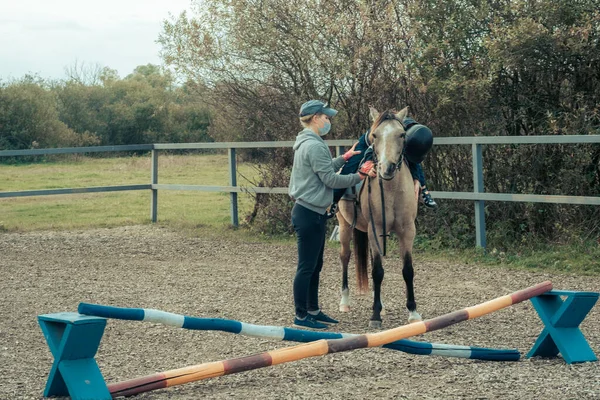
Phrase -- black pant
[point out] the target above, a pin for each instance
(310, 231)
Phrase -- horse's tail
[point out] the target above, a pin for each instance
(361, 253)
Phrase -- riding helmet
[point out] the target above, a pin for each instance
(419, 140)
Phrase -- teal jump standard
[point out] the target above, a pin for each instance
(73, 340)
(562, 318)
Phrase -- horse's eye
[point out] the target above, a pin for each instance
(374, 136)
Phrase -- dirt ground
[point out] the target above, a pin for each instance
(153, 267)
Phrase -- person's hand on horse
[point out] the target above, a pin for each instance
(351, 153)
(417, 189)
(367, 169)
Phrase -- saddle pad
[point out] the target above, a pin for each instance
(349, 195)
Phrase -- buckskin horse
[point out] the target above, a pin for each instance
(385, 204)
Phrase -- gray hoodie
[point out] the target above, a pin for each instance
(314, 173)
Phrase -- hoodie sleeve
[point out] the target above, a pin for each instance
(338, 163)
(322, 165)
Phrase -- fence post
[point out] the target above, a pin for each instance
(154, 181)
(339, 150)
(233, 182)
(478, 188)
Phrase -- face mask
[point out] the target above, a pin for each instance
(325, 129)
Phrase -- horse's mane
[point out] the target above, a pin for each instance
(384, 116)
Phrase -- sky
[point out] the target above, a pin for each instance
(44, 37)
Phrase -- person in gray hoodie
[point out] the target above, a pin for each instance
(311, 186)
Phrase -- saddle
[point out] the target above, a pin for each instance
(353, 194)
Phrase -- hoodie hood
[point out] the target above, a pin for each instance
(305, 136)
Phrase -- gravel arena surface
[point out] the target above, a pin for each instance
(155, 267)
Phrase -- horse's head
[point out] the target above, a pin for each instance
(387, 138)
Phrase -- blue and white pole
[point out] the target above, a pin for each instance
(288, 334)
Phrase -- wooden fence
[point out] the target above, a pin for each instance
(478, 195)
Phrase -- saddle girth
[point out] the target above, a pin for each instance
(355, 203)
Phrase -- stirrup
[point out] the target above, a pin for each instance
(332, 211)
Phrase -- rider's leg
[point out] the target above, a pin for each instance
(427, 199)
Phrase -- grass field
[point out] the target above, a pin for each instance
(183, 208)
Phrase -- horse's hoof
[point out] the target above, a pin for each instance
(375, 324)
(414, 317)
(344, 308)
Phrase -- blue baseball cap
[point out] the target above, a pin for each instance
(315, 107)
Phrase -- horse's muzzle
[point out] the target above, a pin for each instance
(388, 172)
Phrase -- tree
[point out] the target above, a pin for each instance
(84, 74)
(29, 118)
(144, 107)
(463, 67)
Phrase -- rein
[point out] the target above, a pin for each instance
(384, 235)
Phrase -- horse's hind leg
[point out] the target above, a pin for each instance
(345, 232)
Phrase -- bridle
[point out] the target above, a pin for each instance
(397, 165)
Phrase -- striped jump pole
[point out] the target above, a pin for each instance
(319, 347)
(288, 334)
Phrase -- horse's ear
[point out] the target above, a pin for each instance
(402, 114)
(374, 113)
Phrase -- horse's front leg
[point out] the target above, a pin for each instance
(378, 274)
(408, 273)
(406, 237)
(345, 233)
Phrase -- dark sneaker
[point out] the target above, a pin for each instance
(309, 322)
(321, 316)
(427, 200)
(331, 212)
